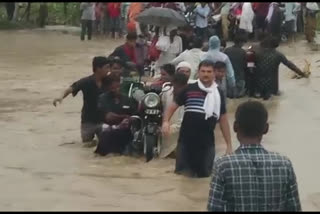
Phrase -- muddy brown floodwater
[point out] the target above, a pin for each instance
(43, 165)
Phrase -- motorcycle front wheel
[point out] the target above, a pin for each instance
(150, 144)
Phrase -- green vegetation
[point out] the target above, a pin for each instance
(67, 13)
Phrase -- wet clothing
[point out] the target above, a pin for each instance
(253, 179)
(267, 70)
(89, 131)
(91, 92)
(114, 140)
(195, 151)
(238, 60)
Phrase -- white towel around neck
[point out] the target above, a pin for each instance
(212, 103)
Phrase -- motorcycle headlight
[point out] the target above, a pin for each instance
(151, 100)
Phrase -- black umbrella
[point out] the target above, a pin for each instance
(161, 17)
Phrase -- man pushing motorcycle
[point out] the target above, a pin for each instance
(204, 106)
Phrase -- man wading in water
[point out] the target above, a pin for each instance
(204, 107)
(91, 87)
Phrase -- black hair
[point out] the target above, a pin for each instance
(132, 36)
(240, 38)
(270, 42)
(206, 63)
(108, 80)
(169, 68)
(180, 79)
(219, 65)
(251, 117)
(116, 60)
(99, 62)
(195, 42)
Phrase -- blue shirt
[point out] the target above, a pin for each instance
(204, 11)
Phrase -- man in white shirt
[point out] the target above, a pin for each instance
(192, 56)
(202, 12)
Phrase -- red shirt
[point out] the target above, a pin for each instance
(130, 52)
(261, 8)
(114, 9)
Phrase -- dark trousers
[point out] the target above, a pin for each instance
(86, 28)
(202, 33)
(194, 162)
(251, 83)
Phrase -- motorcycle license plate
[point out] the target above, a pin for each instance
(250, 64)
(152, 111)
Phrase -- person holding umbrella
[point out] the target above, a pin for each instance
(170, 47)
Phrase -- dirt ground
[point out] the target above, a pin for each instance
(43, 165)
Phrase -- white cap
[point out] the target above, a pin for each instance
(184, 64)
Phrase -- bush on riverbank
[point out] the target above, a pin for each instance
(67, 13)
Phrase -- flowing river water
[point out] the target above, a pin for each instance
(43, 165)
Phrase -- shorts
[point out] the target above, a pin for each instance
(89, 130)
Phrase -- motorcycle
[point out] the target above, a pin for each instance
(146, 126)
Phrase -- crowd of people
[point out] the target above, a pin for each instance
(203, 72)
(115, 19)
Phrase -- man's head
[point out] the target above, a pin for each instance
(111, 83)
(167, 71)
(132, 39)
(220, 70)
(196, 42)
(185, 68)
(203, 4)
(100, 66)
(251, 122)
(179, 81)
(240, 40)
(206, 72)
(270, 42)
(116, 66)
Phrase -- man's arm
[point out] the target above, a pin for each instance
(64, 95)
(216, 193)
(292, 66)
(167, 116)
(178, 59)
(114, 119)
(225, 129)
(230, 73)
(292, 199)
